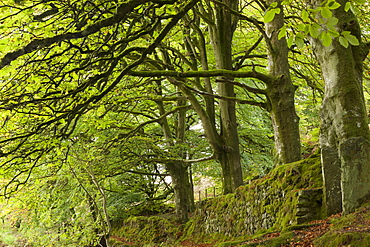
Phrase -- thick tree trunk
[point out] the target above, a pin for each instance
(227, 152)
(345, 137)
(280, 95)
(183, 190)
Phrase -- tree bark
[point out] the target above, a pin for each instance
(183, 190)
(227, 152)
(280, 95)
(179, 171)
(345, 137)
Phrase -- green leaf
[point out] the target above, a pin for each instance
(333, 5)
(347, 6)
(273, 5)
(343, 41)
(290, 41)
(316, 10)
(352, 39)
(325, 12)
(286, 2)
(326, 39)
(305, 15)
(299, 42)
(355, 10)
(332, 21)
(314, 31)
(300, 35)
(301, 27)
(269, 16)
(333, 33)
(359, 1)
(282, 32)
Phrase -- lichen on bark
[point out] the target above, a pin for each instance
(345, 137)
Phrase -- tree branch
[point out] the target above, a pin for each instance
(36, 44)
(209, 73)
(246, 87)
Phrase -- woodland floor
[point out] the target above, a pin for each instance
(305, 237)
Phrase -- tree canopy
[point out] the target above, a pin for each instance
(113, 105)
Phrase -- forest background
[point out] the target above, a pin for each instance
(111, 108)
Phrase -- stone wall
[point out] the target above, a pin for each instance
(289, 194)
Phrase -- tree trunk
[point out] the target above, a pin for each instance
(183, 189)
(345, 137)
(280, 95)
(184, 195)
(228, 153)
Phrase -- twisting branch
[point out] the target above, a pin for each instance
(246, 87)
(160, 118)
(36, 44)
(209, 73)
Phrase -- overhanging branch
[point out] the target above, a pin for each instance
(36, 44)
(209, 73)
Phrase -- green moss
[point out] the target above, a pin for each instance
(230, 243)
(298, 227)
(275, 242)
(148, 230)
(223, 218)
(334, 239)
(351, 229)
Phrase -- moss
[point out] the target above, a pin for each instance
(351, 229)
(230, 243)
(298, 227)
(334, 239)
(270, 201)
(274, 242)
(148, 230)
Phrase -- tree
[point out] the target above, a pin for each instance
(345, 136)
(227, 151)
(336, 38)
(280, 91)
(335, 35)
(179, 170)
(71, 57)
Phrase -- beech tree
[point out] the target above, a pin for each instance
(336, 38)
(61, 61)
(345, 136)
(281, 91)
(70, 57)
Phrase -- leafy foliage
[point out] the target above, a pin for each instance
(83, 137)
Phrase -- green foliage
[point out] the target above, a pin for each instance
(9, 237)
(271, 12)
(317, 22)
(83, 144)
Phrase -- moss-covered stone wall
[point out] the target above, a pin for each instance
(289, 194)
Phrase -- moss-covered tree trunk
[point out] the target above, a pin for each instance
(227, 152)
(280, 95)
(179, 171)
(183, 190)
(344, 139)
